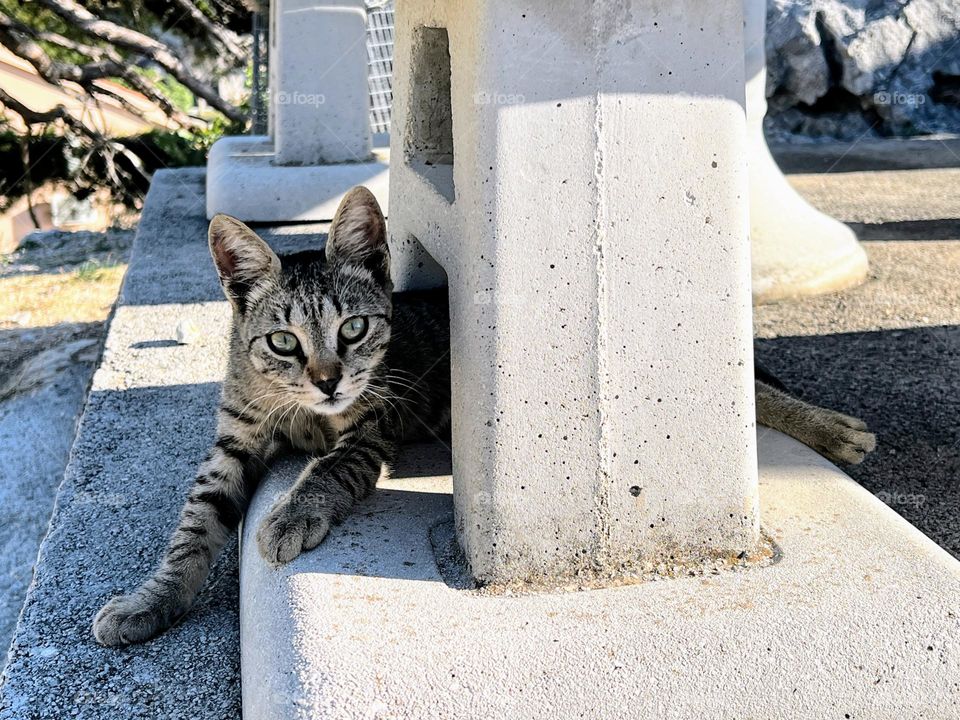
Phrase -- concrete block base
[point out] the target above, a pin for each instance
(244, 181)
(857, 618)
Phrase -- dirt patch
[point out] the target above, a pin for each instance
(55, 290)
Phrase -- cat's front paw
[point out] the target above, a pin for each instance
(295, 524)
(134, 618)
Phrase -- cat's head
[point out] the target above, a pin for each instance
(315, 325)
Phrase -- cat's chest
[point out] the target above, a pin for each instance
(311, 433)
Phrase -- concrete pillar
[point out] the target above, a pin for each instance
(797, 250)
(320, 142)
(576, 171)
(320, 69)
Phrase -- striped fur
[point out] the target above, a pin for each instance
(393, 386)
(390, 386)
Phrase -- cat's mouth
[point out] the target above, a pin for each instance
(331, 405)
(323, 404)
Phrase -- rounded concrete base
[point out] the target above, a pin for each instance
(856, 618)
(245, 181)
(797, 250)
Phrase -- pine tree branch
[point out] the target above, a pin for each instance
(227, 40)
(77, 15)
(106, 149)
(107, 64)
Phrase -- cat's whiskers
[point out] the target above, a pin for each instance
(407, 387)
(273, 393)
(280, 408)
(388, 399)
(288, 408)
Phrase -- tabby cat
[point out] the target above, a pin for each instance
(324, 359)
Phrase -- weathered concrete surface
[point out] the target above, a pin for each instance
(145, 427)
(599, 299)
(856, 619)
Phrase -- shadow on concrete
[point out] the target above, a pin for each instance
(153, 344)
(424, 459)
(904, 384)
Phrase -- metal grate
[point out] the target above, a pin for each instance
(259, 90)
(380, 63)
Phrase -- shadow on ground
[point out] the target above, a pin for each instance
(904, 384)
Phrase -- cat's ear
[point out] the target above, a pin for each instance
(241, 257)
(358, 234)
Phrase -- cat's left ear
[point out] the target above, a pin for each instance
(358, 234)
(241, 257)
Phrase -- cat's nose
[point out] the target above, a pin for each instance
(328, 386)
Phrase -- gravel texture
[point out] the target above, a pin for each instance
(36, 431)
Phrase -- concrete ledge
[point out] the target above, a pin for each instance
(857, 619)
(147, 423)
(243, 181)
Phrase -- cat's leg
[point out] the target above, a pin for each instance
(324, 493)
(213, 509)
(836, 436)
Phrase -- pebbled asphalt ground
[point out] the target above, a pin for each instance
(36, 432)
(887, 351)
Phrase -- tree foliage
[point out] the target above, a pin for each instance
(173, 52)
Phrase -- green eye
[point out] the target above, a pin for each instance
(353, 329)
(283, 343)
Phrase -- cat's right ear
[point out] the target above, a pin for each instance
(241, 257)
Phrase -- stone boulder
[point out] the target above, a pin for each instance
(849, 68)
